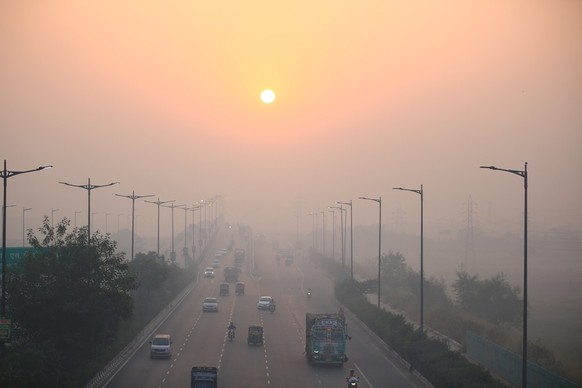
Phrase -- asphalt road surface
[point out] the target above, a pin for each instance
(200, 339)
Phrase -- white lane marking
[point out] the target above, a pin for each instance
(363, 375)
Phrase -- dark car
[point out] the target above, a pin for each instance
(255, 336)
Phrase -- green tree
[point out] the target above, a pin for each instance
(68, 296)
(492, 299)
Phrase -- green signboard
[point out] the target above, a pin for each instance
(5, 326)
(15, 255)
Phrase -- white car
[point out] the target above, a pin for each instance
(209, 272)
(210, 304)
(264, 302)
(161, 346)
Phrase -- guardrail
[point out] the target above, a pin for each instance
(105, 375)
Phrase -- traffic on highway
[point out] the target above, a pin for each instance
(280, 337)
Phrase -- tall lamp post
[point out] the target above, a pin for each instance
(193, 209)
(106, 216)
(314, 225)
(351, 238)
(24, 210)
(332, 211)
(379, 200)
(205, 234)
(89, 187)
(133, 197)
(158, 203)
(421, 193)
(342, 210)
(323, 231)
(5, 174)
(173, 253)
(53, 211)
(199, 207)
(523, 174)
(185, 208)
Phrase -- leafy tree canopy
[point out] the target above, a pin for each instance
(69, 295)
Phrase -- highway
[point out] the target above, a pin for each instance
(201, 338)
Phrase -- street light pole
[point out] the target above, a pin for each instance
(133, 197)
(53, 211)
(421, 193)
(342, 210)
(89, 187)
(5, 174)
(24, 210)
(106, 215)
(202, 203)
(323, 231)
(185, 208)
(523, 174)
(193, 209)
(199, 207)
(158, 202)
(332, 211)
(314, 228)
(173, 253)
(351, 238)
(379, 200)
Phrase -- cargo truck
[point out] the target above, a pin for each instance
(325, 339)
(231, 274)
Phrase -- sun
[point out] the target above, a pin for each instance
(267, 96)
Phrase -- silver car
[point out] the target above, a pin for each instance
(161, 346)
(210, 304)
(264, 302)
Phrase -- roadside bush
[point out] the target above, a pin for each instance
(442, 367)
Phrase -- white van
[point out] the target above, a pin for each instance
(161, 346)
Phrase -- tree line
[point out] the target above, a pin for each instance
(74, 305)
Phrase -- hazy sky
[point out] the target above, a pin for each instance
(164, 97)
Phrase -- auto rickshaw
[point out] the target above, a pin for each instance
(255, 335)
(239, 288)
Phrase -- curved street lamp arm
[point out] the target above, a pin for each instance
(371, 199)
(521, 173)
(412, 190)
(8, 174)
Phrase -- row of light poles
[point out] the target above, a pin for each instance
(521, 173)
(89, 187)
(5, 174)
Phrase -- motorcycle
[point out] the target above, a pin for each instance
(353, 382)
(272, 308)
(230, 335)
(308, 294)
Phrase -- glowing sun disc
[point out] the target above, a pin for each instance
(267, 96)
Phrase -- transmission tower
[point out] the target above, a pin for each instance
(470, 236)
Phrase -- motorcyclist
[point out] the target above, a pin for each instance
(352, 379)
(272, 306)
(309, 292)
(232, 327)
